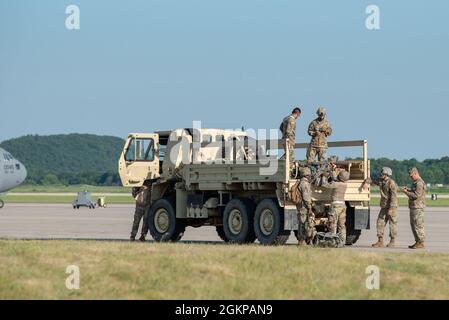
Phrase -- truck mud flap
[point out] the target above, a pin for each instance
(290, 218)
(362, 219)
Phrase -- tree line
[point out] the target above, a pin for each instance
(433, 171)
(91, 159)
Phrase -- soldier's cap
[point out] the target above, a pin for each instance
(387, 171)
(321, 111)
(296, 109)
(343, 176)
(413, 170)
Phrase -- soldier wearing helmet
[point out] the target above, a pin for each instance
(306, 217)
(388, 208)
(337, 215)
(319, 130)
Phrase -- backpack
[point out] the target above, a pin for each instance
(294, 194)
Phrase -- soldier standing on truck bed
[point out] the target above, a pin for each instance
(143, 197)
(388, 208)
(319, 130)
(416, 203)
(306, 217)
(337, 216)
(288, 129)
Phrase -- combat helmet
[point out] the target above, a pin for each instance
(343, 176)
(321, 111)
(387, 171)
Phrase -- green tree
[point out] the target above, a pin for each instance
(50, 179)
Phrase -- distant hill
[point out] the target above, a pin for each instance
(68, 158)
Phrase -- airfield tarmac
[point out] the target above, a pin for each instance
(57, 221)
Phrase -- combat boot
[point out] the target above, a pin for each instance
(379, 243)
(413, 245)
(391, 244)
(142, 238)
(132, 238)
(418, 245)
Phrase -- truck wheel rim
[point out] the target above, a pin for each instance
(161, 220)
(235, 221)
(266, 222)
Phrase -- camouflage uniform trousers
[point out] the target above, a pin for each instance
(384, 218)
(140, 214)
(306, 224)
(291, 153)
(417, 224)
(337, 221)
(312, 152)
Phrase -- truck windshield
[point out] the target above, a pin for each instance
(140, 149)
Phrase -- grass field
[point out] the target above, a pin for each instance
(403, 202)
(121, 270)
(115, 189)
(127, 199)
(73, 188)
(116, 199)
(120, 195)
(443, 190)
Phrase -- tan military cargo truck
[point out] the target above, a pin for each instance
(239, 185)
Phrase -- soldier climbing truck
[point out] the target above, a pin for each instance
(239, 185)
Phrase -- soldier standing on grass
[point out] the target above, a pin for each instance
(143, 199)
(416, 203)
(388, 208)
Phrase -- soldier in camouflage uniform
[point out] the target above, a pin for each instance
(337, 215)
(416, 203)
(288, 129)
(306, 217)
(388, 208)
(319, 130)
(143, 199)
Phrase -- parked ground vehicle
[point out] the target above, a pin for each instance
(83, 199)
(223, 178)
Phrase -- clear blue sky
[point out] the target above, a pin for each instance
(146, 65)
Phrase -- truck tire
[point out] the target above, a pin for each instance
(162, 222)
(221, 233)
(269, 223)
(296, 233)
(238, 221)
(352, 235)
